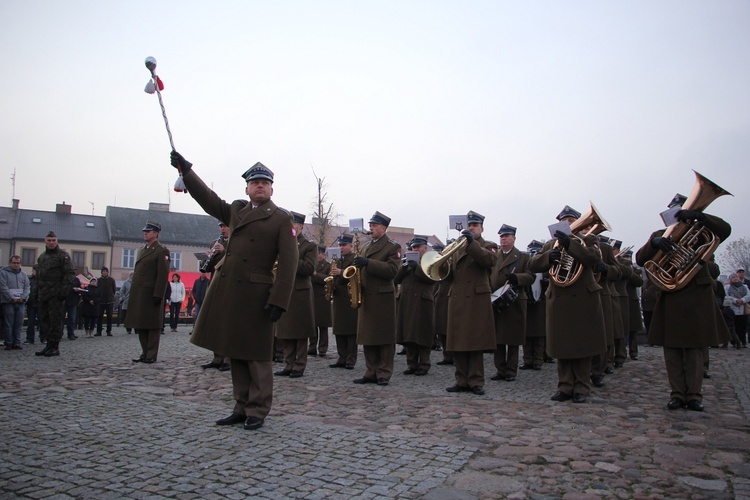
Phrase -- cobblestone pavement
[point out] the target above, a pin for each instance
(91, 423)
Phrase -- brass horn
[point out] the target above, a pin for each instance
(436, 265)
(693, 243)
(568, 270)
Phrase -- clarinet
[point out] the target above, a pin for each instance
(213, 256)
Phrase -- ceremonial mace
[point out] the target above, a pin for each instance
(156, 85)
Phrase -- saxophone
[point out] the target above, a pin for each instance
(329, 285)
(354, 275)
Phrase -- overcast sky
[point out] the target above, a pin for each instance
(418, 109)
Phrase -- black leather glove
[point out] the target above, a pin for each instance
(361, 261)
(513, 279)
(157, 301)
(663, 244)
(412, 264)
(469, 235)
(689, 216)
(178, 161)
(274, 312)
(601, 268)
(563, 238)
(554, 256)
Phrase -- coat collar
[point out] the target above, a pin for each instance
(248, 215)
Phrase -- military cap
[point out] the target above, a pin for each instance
(677, 201)
(378, 218)
(51, 234)
(298, 217)
(258, 171)
(438, 248)
(418, 240)
(506, 229)
(603, 239)
(152, 226)
(535, 245)
(346, 239)
(321, 249)
(474, 217)
(567, 211)
(617, 244)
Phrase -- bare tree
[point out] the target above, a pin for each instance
(324, 213)
(734, 255)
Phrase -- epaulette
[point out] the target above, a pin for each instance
(393, 242)
(284, 210)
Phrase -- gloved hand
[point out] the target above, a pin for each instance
(469, 235)
(554, 256)
(689, 216)
(412, 264)
(157, 301)
(601, 268)
(361, 261)
(663, 244)
(563, 238)
(178, 161)
(274, 312)
(513, 279)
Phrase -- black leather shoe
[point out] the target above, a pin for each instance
(675, 403)
(706, 374)
(295, 374)
(420, 372)
(597, 381)
(349, 367)
(52, 352)
(98, 334)
(211, 365)
(311, 353)
(382, 381)
(525, 367)
(444, 362)
(364, 380)
(283, 373)
(478, 390)
(234, 418)
(561, 396)
(278, 359)
(618, 365)
(410, 371)
(137, 360)
(337, 365)
(510, 378)
(694, 405)
(609, 371)
(224, 367)
(579, 398)
(458, 388)
(634, 358)
(537, 367)
(42, 352)
(253, 423)
(497, 377)
(148, 360)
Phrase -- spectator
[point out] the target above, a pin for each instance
(124, 298)
(200, 287)
(14, 291)
(737, 295)
(32, 310)
(90, 307)
(176, 297)
(107, 289)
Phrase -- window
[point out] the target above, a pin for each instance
(128, 258)
(28, 256)
(97, 260)
(79, 259)
(36, 220)
(89, 224)
(176, 258)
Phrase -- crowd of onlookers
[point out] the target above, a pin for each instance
(733, 297)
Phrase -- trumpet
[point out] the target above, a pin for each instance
(354, 275)
(436, 265)
(329, 286)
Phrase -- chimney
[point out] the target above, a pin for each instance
(15, 204)
(158, 207)
(62, 208)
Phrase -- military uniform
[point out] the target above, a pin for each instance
(536, 317)
(344, 315)
(635, 281)
(605, 361)
(55, 274)
(145, 306)
(319, 344)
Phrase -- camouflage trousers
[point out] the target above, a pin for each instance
(51, 314)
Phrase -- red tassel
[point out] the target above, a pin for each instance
(160, 83)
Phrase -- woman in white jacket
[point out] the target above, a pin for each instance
(175, 300)
(737, 296)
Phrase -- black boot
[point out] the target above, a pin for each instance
(43, 351)
(52, 350)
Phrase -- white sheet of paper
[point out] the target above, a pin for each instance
(356, 225)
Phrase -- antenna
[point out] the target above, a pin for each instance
(13, 183)
(92, 207)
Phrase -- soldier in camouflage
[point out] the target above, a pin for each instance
(55, 275)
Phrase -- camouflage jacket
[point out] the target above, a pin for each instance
(55, 274)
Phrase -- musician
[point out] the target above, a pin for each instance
(244, 299)
(416, 310)
(536, 316)
(471, 326)
(620, 350)
(635, 281)
(319, 343)
(608, 272)
(441, 315)
(575, 323)
(687, 321)
(344, 315)
(510, 319)
(215, 254)
(376, 323)
(298, 327)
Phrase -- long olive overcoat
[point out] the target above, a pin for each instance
(233, 318)
(690, 317)
(376, 324)
(322, 306)
(607, 282)
(471, 325)
(634, 302)
(575, 322)
(344, 315)
(299, 320)
(536, 312)
(441, 308)
(150, 281)
(416, 307)
(510, 324)
(621, 286)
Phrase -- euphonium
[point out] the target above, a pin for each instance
(436, 265)
(568, 270)
(693, 243)
(329, 285)
(354, 275)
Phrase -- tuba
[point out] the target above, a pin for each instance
(354, 275)
(329, 285)
(567, 271)
(693, 243)
(436, 265)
